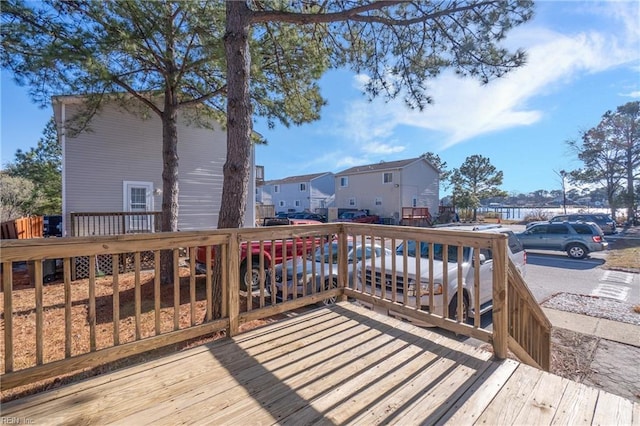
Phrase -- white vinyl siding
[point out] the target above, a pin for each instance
(121, 146)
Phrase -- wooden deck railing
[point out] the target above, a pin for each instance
(529, 328)
(64, 326)
(113, 223)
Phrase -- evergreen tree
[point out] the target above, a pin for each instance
(475, 180)
(42, 166)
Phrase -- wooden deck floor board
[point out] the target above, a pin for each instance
(507, 404)
(576, 406)
(284, 369)
(339, 365)
(611, 409)
(306, 385)
(477, 397)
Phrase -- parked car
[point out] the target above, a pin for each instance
(321, 270)
(250, 253)
(310, 216)
(604, 221)
(378, 278)
(578, 239)
(358, 216)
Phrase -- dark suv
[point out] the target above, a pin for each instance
(578, 239)
(604, 221)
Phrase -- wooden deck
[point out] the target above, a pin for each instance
(339, 365)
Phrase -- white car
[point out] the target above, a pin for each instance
(386, 278)
(322, 269)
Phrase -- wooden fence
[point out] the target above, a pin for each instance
(23, 228)
(66, 326)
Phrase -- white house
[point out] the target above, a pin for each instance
(384, 188)
(115, 165)
(313, 192)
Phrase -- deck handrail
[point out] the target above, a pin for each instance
(237, 307)
(84, 224)
(529, 328)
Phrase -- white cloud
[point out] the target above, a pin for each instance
(635, 94)
(464, 109)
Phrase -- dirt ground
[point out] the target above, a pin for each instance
(24, 320)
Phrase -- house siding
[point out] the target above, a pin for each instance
(422, 183)
(416, 179)
(119, 146)
(323, 191)
(319, 190)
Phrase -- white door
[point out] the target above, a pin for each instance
(138, 198)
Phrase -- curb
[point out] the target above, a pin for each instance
(621, 332)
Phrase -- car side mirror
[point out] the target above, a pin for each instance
(483, 259)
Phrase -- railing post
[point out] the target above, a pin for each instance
(233, 283)
(343, 274)
(500, 307)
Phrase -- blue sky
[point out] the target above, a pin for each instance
(583, 59)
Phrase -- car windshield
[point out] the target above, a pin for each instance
(347, 215)
(438, 251)
(322, 254)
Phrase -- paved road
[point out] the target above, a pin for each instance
(548, 274)
(551, 272)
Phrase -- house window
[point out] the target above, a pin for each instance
(281, 203)
(414, 202)
(387, 177)
(297, 203)
(303, 187)
(352, 202)
(276, 188)
(344, 181)
(378, 201)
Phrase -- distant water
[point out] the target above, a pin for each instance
(519, 213)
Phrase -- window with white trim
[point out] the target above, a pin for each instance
(387, 177)
(303, 187)
(344, 181)
(297, 203)
(352, 202)
(378, 201)
(276, 188)
(281, 203)
(414, 202)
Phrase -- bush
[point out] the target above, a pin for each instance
(537, 215)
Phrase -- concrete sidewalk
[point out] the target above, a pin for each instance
(613, 362)
(615, 331)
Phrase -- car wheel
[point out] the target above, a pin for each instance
(577, 251)
(453, 309)
(249, 278)
(330, 285)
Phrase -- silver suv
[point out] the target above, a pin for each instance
(604, 221)
(578, 239)
(515, 250)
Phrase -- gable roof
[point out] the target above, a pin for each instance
(296, 179)
(383, 165)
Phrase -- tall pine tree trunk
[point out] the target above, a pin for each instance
(239, 114)
(169, 181)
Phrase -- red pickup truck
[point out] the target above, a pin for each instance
(358, 216)
(283, 252)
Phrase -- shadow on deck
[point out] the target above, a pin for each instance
(339, 365)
